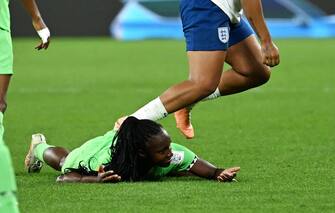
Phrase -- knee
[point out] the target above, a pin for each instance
(3, 106)
(262, 75)
(205, 88)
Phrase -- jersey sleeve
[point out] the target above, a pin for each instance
(183, 158)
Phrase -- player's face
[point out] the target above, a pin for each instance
(159, 149)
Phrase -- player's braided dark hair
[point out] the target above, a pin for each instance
(132, 136)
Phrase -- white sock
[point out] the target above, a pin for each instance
(154, 110)
(214, 95)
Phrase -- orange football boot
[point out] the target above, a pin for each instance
(183, 121)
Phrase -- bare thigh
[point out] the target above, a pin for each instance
(245, 58)
(206, 67)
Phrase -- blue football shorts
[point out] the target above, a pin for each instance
(207, 28)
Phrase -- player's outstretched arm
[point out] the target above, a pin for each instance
(204, 169)
(254, 12)
(102, 177)
(38, 23)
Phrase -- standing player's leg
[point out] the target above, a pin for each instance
(40, 152)
(4, 83)
(8, 201)
(6, 66)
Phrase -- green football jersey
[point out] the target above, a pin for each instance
(96, 152)
(4, 15)
(91, 155)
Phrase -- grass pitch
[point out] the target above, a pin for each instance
(281, 134)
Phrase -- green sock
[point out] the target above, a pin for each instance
(8, 201)
(39, 150)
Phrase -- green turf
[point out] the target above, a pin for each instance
(282, 134)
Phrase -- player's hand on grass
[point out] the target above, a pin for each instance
(228, 175)
(270, 54)
(43, 32)
(107, 176)
(119, 122)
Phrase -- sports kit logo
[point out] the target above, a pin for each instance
(177, 157)
(223, 34)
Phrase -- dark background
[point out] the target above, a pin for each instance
(326, 5)
(67, 17)
(83, 17)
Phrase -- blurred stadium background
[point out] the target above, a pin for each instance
(141, 19)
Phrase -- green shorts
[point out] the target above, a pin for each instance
(6, 53)
(91, 155)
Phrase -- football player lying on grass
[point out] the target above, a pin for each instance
(139, 150)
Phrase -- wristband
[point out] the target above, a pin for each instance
(44, 34)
